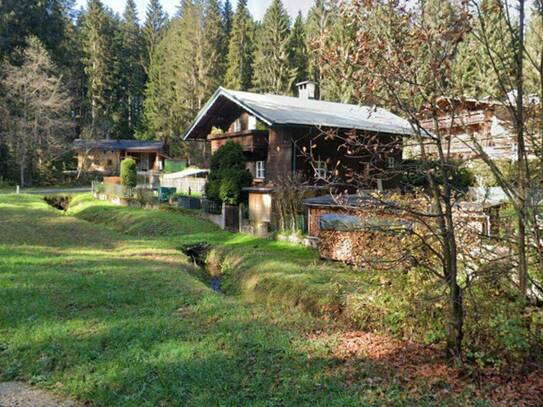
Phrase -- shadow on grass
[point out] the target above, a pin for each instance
(118, 322)
(126, 336)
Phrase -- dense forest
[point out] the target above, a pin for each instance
(145, 77)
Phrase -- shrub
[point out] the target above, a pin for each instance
(232, 184)
(145, 197)
(228, 175)
(462, 177)
(129, 174)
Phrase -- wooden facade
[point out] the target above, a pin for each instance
(285, 137)
(470, 123)
(105, 156)
(295, 149)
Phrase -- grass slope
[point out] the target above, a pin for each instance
(270, 271)
(116, 320)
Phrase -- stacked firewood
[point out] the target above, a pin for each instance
(365, 248)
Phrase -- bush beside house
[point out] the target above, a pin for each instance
(228, 175)
(129, 174)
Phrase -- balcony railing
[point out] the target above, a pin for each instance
(250, 140)
(459, 120)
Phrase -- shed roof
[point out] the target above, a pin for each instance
(287, 110)
(115, 145)
(188, 172)
(344, 201)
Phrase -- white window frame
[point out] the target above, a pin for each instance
(321, 170)
(237, 126)
(251, 123)
(260, 170)
(391, 162)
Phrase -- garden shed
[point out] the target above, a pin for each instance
(191, 181)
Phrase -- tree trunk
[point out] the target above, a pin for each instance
(456, 323)
(522, 263)
(22, 174)
(523, 176)
(456, 301)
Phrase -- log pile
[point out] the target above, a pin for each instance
(364, 248)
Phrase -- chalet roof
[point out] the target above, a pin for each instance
(115, 145)
(287, 110)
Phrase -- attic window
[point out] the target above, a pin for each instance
(237, 126)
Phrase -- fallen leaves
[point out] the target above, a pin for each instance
(422, 367)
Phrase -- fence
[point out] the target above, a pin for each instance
(186, 185)
(212, 207)
(189, 202)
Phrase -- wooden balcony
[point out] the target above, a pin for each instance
(460, 120)
(251, 141)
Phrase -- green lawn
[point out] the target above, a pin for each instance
(119, 320)
(270, 271)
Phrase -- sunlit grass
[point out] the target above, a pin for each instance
(118, 320)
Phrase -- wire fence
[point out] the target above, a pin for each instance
(212, 207)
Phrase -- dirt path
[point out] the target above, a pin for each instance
(17, 394)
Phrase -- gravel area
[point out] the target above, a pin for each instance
(17, 394)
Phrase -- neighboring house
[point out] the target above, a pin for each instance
(105, 156)
(470, 122)
(283, 135)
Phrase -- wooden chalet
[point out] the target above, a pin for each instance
(105, 156)
(283, 135)
(486, 122)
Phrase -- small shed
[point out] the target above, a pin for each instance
(191, 181)
(363, 204)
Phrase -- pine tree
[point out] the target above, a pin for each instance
(155, 22)
(101, 67)
(272, 70)
(159, 96)
(47, 20)
(336, 81)
(487, 50)
(186, 69)
(239, 71)
(212, 58)
(319, 20)
(298, 50)
(132, 69)
(227, 18)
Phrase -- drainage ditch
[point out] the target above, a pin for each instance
(198, 254)
(60, 202)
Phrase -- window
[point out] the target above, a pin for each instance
(251, 124)
(261, 169)
(109, 162)
(320, 169)
(237, 126)
(391, 162)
